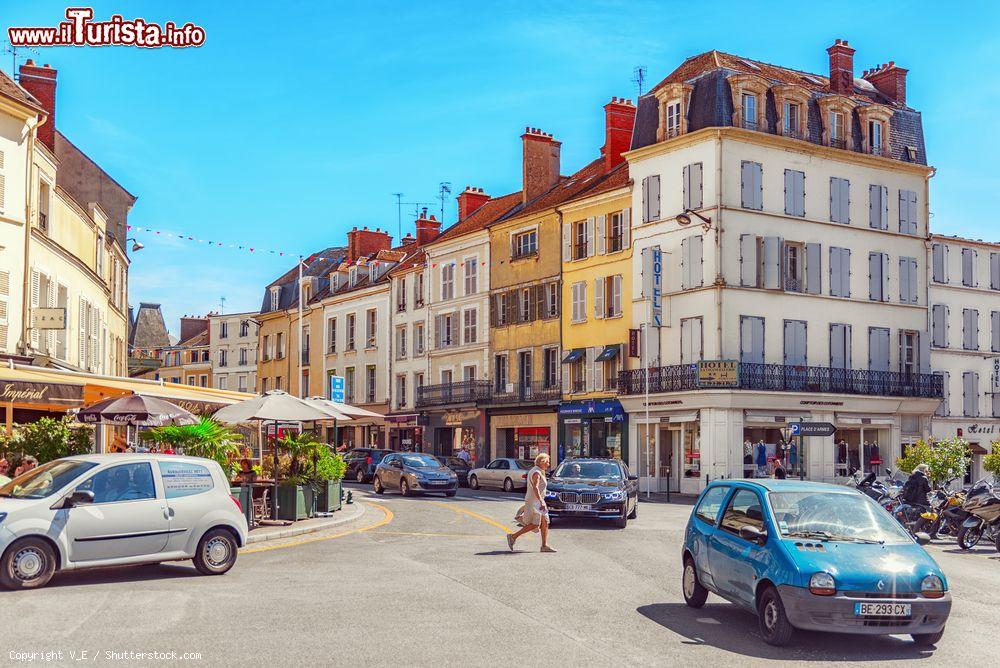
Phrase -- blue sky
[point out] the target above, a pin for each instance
(291, 125)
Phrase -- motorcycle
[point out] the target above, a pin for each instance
(948, 508)
(915, 518)
(983, 506)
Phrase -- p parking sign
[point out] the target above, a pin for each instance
(337, 388)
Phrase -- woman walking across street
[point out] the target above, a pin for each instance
(535, 514)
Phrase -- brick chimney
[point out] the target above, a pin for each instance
(841, 67)
(191, 325)
(427, 228)
(540, 163)
(364, 242)
(619, 119)
(470, 200)
(41, 82)
(889, 80)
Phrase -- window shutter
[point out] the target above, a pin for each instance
(697, 193)
(645, 200)
(878, 349)
(772, 263)
(539, 294)
(938, 261)
(601, 236)
(589, 366)
(907, 212)
(654, 196)
(599, 297)
(874, 208)
(945, 407)
(835, 270)
(686, 187)
(588, 237)
(834, 201)
(82, 326)
(567, 248)
(697, 260)
(758, 186)
(748, 260)
(874, 276)
(34, 307)
(913, 281)
(904, 280)
(685, 264)
(626, 227)
(837, 346)
(745, 182)
(923, 339)
(814, 269)
(493, 310)
(995, 331)
(50, 335)
(938, 325)
(845, 201)
(970, 394)
(598, 376)
(564, 374)
(967, 267)
(995, 271)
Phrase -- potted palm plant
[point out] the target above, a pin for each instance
(327, 472)
(296, 494)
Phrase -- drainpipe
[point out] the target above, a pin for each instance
(720, 280)
(26, 286)
(929, 258)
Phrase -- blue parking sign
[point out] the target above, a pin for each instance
(337, 388)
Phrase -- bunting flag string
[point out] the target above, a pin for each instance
(217, 244)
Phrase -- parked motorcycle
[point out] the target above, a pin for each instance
(915, 518)
(948, 508)
(982, 503)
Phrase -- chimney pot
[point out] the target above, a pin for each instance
(619, 120)
(470, 200)
(539, 164)
(41, 83)
(841, 68)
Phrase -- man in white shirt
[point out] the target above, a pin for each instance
(463, 454)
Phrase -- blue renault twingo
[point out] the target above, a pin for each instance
(806, 555)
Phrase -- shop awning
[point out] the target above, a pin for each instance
(574, 355)
(864, 418)
(609, 353)
(673, 418)
(775, 417)
(977, 449)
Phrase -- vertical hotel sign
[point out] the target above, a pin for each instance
(652, 283)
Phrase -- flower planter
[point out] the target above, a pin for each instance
(243, 494)
(292, 502)
(328, 499)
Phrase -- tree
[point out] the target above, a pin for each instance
(948, 458)
(49, 438)
(991, 462)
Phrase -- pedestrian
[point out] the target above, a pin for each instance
(463, 454)
(917, 486)
(27, 463)
(534, 515)
(779, 470)
(4, 470)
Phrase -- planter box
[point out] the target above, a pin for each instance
(244, 495)
(292, 502)
(328, 499)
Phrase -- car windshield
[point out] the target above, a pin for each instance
(596, 470)
(525, 463)
(421, 461)
(46, 479)
(834, 516)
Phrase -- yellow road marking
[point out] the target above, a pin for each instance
(481, 518)
(419, 533)
(316, 539)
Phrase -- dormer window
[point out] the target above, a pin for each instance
(673, 100)
(673, 119)
(875, 137)
(837, 138)
(749, 116)
(275, 296)
(875, 119)
(334, 281)
(836, 115)
(793, 114)
(352, 276)
(372, 272)
(306, 291)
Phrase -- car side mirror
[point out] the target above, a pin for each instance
(922, 537)
(79, 497)
(633, 477)
(753, 534)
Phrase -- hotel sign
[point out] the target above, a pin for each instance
(652, 283)
(718, 373)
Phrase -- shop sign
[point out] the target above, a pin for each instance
(982, 429)
(456, 418)
(595, 406)
(522, 420)
(40, 393)
(48, 318)
(196, 407)
(633, 343)
(718, 373)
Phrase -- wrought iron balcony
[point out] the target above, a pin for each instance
(838, 143)
(788, 378)
(305, 356)
(537, 391)
(460, 392)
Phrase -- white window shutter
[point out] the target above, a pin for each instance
(697, 261)
(885, 277)
(814, 268)
(34, 307)
(82, 326)
(567, 247)
(50, 335)
(772, 263)
(627, 227)
(686, 187)
(589, 365)
(599, 307)
(600, 245)
(748, 260)
(588, 237)
(645, 200)
(685, 264)
(654, 196)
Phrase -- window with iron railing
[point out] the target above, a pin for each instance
(524, 244)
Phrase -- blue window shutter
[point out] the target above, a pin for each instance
(814, 268)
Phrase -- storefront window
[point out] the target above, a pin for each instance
(862, 449)
(577, 437)
(645, 450)
(762, 447)
(692, 450)
(525, 442)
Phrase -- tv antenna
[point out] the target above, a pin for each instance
(639, 78)
(15, 52)
(222, 305)
(444, 189)
(399, 211)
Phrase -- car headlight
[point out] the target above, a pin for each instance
(3, 516)
(550, 495)
(617, 495)
(822, 584)
(932, 587)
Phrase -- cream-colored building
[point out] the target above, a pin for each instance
(71, 255)
(795, 251)
(409, 350)
(233, 350)
(964, 276)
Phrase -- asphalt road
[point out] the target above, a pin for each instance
(430, 582)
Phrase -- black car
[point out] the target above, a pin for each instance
(460, 467)
(593, 487)
(361, 463)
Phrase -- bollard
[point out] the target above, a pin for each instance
(350, 497)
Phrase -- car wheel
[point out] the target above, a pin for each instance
(635, 510)
(772, 620)
(968, 537)
(450, 493)
(508, 485)
(927, 639)
(377, 485)
(473, 482)
(404, 487)
(695, 594)
(360, 476)
(27, 564)
(622, 521)
(216, 553)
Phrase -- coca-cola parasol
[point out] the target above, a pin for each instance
(136, 409)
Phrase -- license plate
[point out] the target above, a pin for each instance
(882, 609)
(577, 507)
(437, 482)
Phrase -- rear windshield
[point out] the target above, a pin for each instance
(525, 463)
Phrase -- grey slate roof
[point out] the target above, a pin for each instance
(318, 264)
(149, 330)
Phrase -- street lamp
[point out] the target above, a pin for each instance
(684, 219)
(136, 245)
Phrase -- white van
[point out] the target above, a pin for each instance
(116, 509)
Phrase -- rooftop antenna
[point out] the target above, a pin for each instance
(14, 52)
(639, 78)
(443, 191)
(399, 214)
(222, 305)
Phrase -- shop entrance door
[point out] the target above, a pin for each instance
(668, 457)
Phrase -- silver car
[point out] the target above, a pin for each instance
(506, 473)
(414, 473)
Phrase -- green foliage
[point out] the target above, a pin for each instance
(303, 449)
(991, 462)
(50, 438)
(947, 458)
(329, 466)
(207, 438)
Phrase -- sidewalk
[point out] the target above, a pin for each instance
(675, 498)
(348, 513)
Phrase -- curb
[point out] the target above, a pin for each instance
(313, 528)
